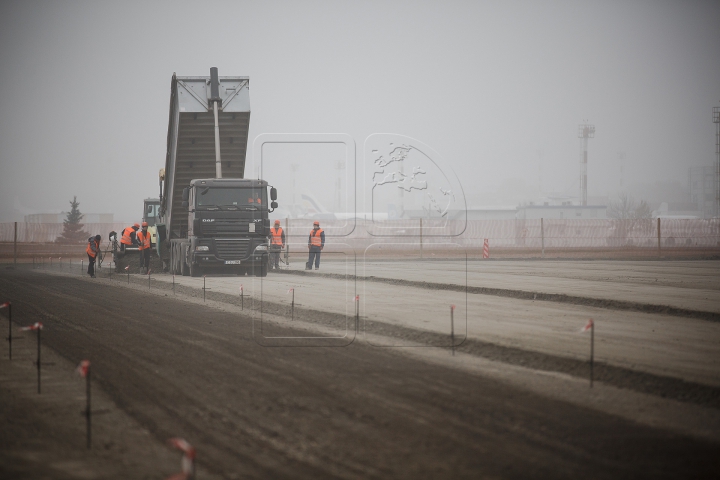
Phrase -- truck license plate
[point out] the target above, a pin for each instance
(232, 262)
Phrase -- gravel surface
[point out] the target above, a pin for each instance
(166, 366)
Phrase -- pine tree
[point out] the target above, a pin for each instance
(72, 228)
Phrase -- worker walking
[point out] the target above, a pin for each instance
(129, 238)
(143, 238)
(92, 250)
(277, 243)
(316, 242)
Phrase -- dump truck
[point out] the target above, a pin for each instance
(211, 219)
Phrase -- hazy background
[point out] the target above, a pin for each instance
(497, 88)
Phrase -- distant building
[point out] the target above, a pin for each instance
(476, 213)
(60, 218)
(701, 185)
(567, 211)
(676, 211)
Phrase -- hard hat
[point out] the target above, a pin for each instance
(277, 222)
(144, 224)
(137, 225)
(316, 223)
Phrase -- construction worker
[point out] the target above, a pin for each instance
(92, 250)
(316, 242)
(143, 238)
(129, 238)
(277, 243)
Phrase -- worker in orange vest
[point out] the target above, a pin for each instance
(277, 243)
(316, 242)
(92, 250)
(128, 238)
(143, 238)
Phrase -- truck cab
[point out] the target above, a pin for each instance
(228, 226)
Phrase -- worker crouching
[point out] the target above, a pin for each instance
(129, 237)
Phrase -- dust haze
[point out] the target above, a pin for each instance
(497, 88)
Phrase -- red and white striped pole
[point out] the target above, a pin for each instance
(486, 248)
(187, 464)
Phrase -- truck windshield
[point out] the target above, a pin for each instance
(151, 213)
(231, 197)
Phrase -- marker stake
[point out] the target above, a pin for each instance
(39, 363)
(88, 410)
(84, 370)
(592, 351)
(452, 328)
(36, 326)
(242, 298)
(9, 307)
(292, 305)
(591, 326)
(357, 314)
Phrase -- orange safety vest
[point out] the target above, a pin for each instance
(315, 239)
(276, 236)
(143, 240)
(90, 250)
(126, 239)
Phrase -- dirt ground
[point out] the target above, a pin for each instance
(247, 387)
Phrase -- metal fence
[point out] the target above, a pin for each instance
(508, 235)
(49, 232)
(523, 234)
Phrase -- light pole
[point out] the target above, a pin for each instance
(585, 131)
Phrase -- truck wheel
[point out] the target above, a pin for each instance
(183, 264)
(177, 261)
(261, 271)
(194, 270)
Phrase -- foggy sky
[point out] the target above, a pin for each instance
(497, 88)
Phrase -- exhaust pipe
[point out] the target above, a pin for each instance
(215, 99)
